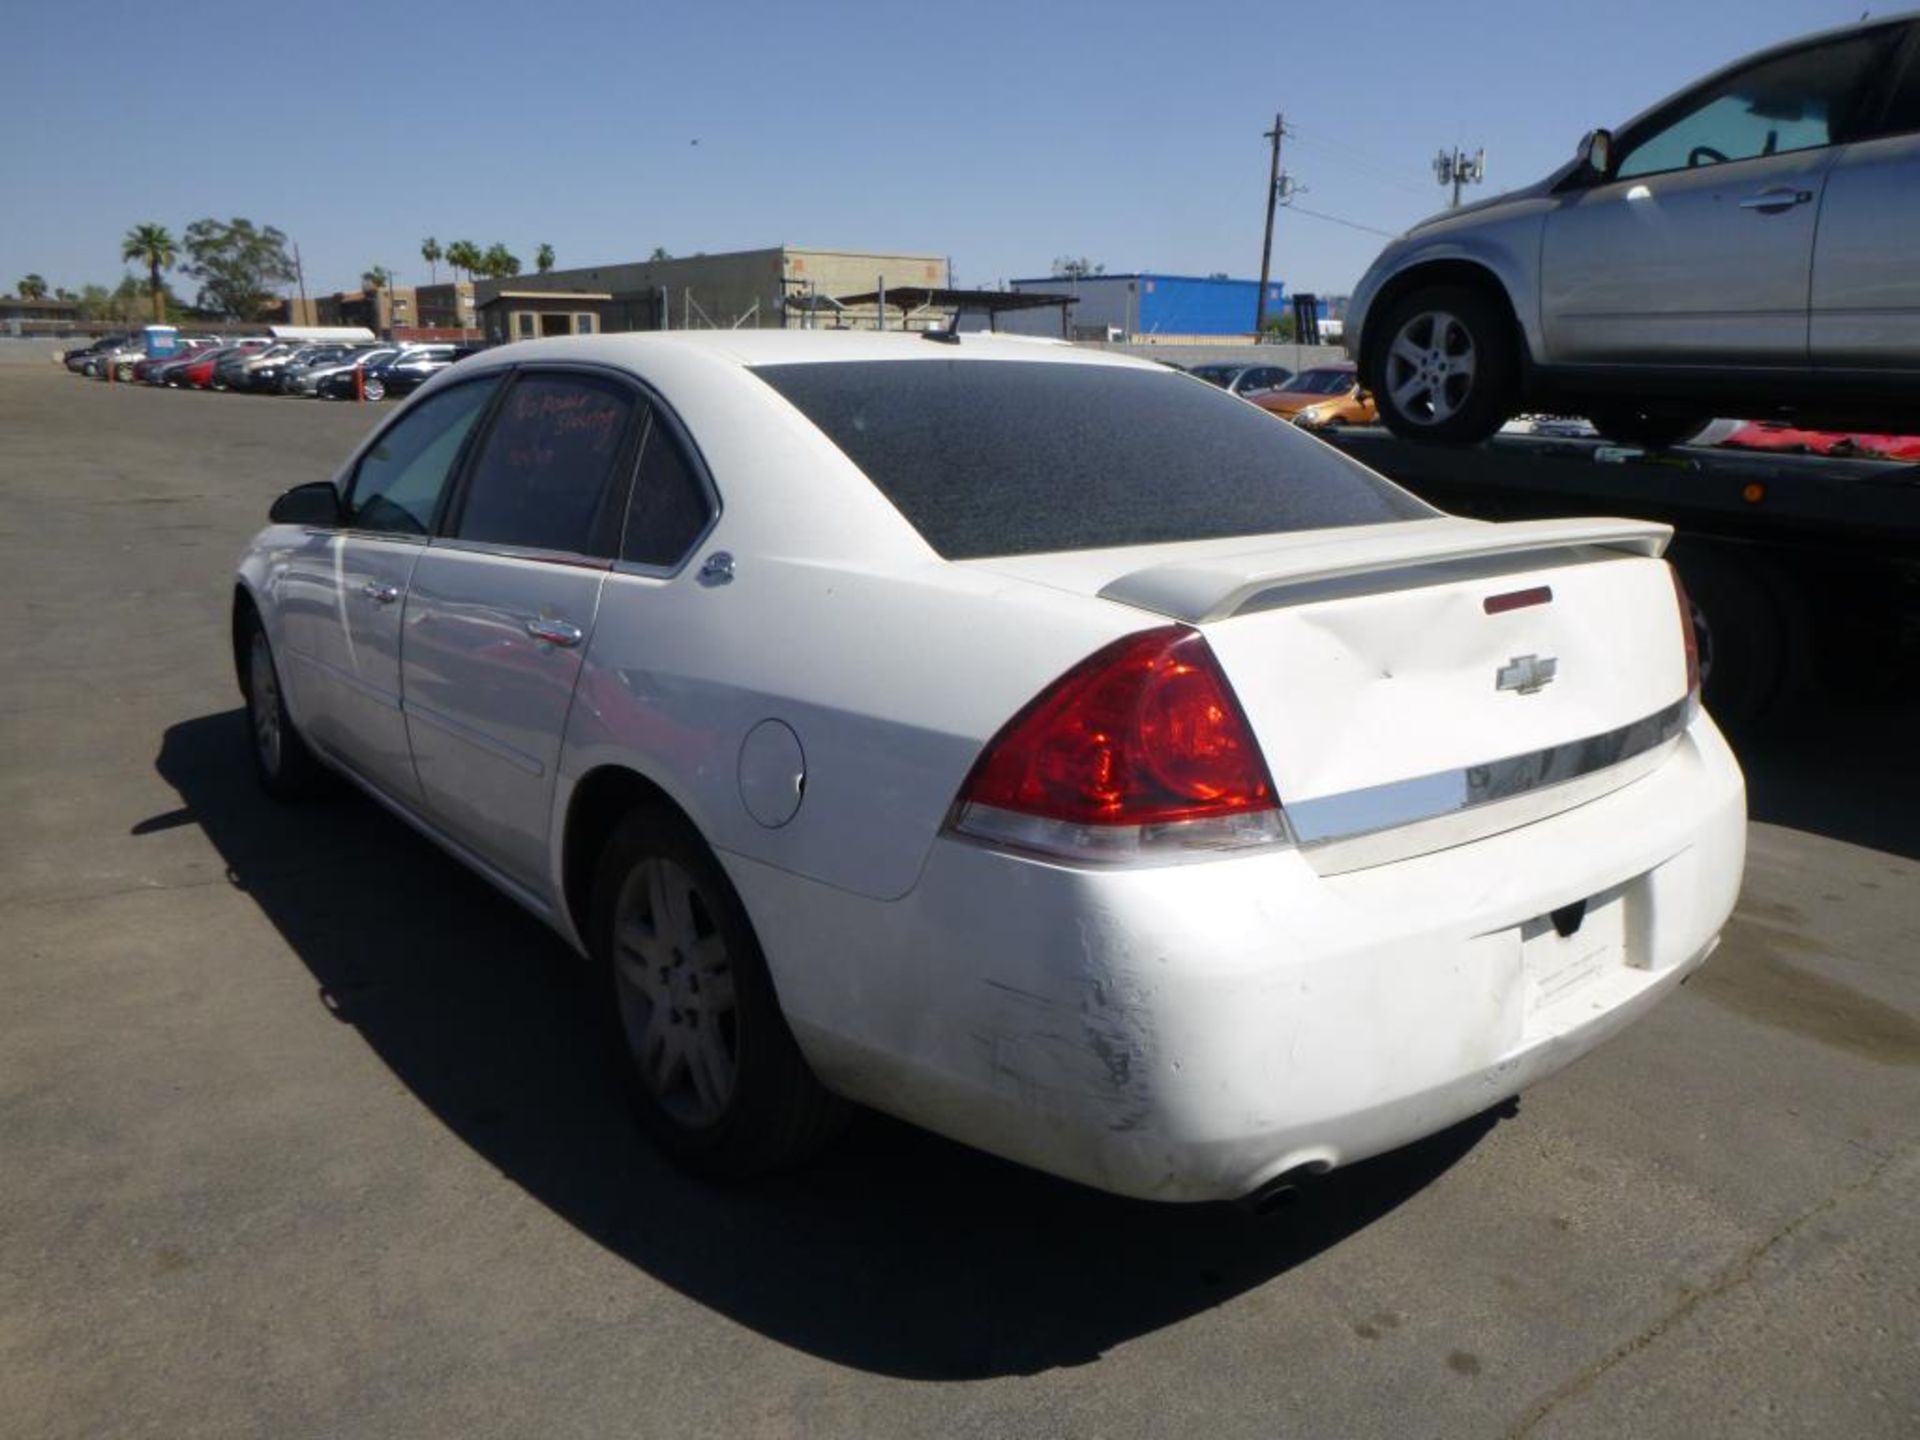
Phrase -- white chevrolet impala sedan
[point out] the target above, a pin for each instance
(1041, 746)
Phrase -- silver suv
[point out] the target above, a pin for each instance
(1749, 247)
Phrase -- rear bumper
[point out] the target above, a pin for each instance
(1191, 1031)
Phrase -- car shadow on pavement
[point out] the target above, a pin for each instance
(1846, 771)
(897, 1252)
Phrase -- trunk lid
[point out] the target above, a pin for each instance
(1389, 695)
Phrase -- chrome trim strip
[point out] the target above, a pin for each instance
(1427, 797)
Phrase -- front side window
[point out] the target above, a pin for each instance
(396, 487)
(1799, 101)
(541, 479)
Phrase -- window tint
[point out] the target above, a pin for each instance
(992, 457)
(541, 476)
(398, 482)
(669, 507)
(1903, 114)
(1799, 101)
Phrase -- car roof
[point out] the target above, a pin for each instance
(752, 348)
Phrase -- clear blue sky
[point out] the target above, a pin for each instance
(1001, 135)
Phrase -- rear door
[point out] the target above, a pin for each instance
(501, 606)
(1698, 248)
(341, 591)
(1866, 263)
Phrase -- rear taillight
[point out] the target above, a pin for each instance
(1137, 752)
(1687, 635)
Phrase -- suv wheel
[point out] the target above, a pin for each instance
(1447, 368)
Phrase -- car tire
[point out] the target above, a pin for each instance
(1625, 425)
(374, 390)
(713, 1073)
(286, 768)
(1447, 366)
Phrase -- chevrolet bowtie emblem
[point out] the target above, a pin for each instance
(1525, 674)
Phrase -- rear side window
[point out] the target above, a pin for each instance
(989, 457)
(670, 506)
(398, 482)
(541, 479)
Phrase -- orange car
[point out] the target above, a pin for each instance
(1325, 395)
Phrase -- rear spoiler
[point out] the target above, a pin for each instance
(1216, 587)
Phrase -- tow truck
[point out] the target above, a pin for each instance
(1804, 571)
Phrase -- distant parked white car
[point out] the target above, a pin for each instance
(1027, 742)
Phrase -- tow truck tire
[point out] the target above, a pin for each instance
(1446, 366)
(1627, 426)
(1753, 635)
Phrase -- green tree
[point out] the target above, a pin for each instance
(96, 302)
(1075, 267)
(152, 246)
(237, 264)
(431, 252)
(63, 293)
(464, 255)
(660, 252)
(376, 278)
(543, 258)
(31, 288)
(499, 262)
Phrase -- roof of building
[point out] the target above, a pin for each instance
(1144, 275)
(550, 295)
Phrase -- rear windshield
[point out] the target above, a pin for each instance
(989, 457)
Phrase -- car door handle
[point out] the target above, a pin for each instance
(380, 594)
(1770, 200)
(556, 632)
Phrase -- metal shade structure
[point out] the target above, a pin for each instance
(911, 299)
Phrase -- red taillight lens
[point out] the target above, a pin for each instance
(1144, 734)
(1687, 635)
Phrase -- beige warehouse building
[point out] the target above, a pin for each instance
(782, 287)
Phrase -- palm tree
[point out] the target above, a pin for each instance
(31, 288)
(464, 255)
(543, 258)
(660, 252)
(431, 252)
(152, 245)
(375, 278)
(499, 262)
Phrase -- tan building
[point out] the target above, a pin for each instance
(786, 286)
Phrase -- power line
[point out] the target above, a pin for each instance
(1338, 220)
(1383, 171)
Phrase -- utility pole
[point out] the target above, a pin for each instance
(1452, 167)
(300, 273)
(1266, 245)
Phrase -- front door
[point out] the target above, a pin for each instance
(343, 593)
(501, 607)
(1697, 248)
(1866, 277)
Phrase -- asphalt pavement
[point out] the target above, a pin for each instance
(303, 1133)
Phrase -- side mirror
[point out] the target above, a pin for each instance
(316, 503)
(1596, 152)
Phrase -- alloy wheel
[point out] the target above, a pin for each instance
(1430, 367)
(675, 984)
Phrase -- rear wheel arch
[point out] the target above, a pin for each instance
(598, 802)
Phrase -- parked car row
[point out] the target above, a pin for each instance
(262, 365)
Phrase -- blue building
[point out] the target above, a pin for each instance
(1147, 305)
